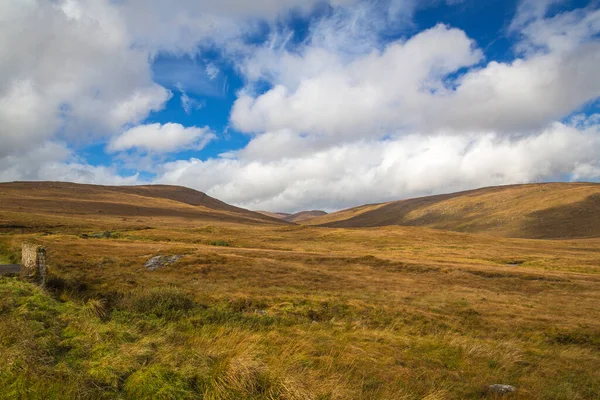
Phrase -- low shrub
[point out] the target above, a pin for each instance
(221, 243)
(164, 302)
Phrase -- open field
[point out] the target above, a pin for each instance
(266, 310)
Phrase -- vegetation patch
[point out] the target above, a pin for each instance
(162, 302)
(8, 255)
(102, 235)
(220, 243)
(578, 338)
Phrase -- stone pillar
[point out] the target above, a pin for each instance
(33, 264)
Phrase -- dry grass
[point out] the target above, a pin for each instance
(296, 312)
(540, 211)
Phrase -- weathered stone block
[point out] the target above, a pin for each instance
(33, 263)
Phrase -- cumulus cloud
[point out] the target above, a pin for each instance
(345, 117)
(53, 161)
(417, 85)
(75, 72)
(364, 171)
(80, 70)
(157, 138)
(529, 11)
(367, 96)
(160, 25)
(341, 128)
(68, 67)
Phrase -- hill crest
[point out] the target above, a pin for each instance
(70, 200)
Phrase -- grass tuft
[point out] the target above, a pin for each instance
(163, 302)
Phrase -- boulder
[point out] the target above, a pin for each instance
(157, 262)
(501, 389)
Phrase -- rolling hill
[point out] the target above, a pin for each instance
(537, 211)
(242, 306)
(60, 203)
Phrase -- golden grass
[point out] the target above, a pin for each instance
(296, 312)
(545, 211)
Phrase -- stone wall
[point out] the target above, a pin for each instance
(33, 263)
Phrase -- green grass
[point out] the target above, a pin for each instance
(7, 256)
(163, 343)
(137, 350)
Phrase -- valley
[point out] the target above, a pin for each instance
(260, 308)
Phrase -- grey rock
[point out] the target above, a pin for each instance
(157, 262)
(501, 389)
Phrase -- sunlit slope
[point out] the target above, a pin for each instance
(59, 203)
(549, 210)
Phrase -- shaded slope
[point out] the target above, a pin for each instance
(21, 201)
(551, 210)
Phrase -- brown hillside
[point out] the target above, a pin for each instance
(538, 211)
(62, 203)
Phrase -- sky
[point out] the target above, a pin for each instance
(289, 105)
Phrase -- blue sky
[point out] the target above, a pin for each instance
(297, 105)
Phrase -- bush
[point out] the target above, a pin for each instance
(245, 304)
(221, 243)
(66, 284)
(8, 256)
(102, 235)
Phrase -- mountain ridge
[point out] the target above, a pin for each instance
(144, 201)
(296, 217)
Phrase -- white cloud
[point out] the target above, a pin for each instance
(157, 138)
(371, 170)
(80, 70)
(348, 119)
(161, 25)
(531, 11)
(368, 96)
(69, 68)
(418, 84)
(53, 161)
(585, 172)
(560, 33)
(212, 71)
(187, 103)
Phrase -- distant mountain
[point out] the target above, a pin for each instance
(298, 217)
(545, 210)
(275, 214)
(302, 216)
(71, 201)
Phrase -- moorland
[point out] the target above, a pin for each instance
(431, 298)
